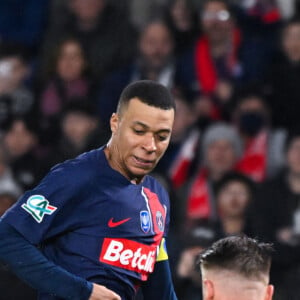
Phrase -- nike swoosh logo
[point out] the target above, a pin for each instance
(111, 223)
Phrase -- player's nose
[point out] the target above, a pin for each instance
(149, 143)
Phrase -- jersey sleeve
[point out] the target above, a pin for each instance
(47, 210)
(32, 266)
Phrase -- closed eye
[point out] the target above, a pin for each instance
(138, 132)
(162, 138)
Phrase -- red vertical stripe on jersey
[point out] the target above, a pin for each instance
(155, 206)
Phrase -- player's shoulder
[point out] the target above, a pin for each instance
(84, 166)
(158, 185)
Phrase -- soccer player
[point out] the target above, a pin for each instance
(94, 227)
(236, 268)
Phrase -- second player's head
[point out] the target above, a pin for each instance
(236, 268)
(141, 128)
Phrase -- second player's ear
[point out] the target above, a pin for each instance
(114, 122)
(208, 290)
(270, 292)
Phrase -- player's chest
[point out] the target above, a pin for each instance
(131, 212)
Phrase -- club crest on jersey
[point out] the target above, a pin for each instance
(145, 221)
(38, 206)
(160, 220)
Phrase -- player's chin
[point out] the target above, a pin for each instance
(140, 171)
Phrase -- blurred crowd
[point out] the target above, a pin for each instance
(233, 67)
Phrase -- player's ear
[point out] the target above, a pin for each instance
(269, 292)
(208, 289)
(114, 122)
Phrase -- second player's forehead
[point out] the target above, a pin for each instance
(232, 278)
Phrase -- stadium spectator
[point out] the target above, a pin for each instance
(9, 189)
(260, 22)
(236, 268)
(283, 79)
(65, 80)
(263, 147)
(16, 97)
(234, 194)
(11, 287)
(276, 216)
(221, 58)
(183, 21)
(80, 131)
(184, 132)
(65, 76)
(104, 32)
(220, 150)
(212, 65)
(20, 141)
(155, 61)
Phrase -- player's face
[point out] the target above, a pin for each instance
(140, 136)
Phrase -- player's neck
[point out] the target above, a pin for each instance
(114, 164)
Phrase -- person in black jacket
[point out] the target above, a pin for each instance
(283, 80)
(277, 219)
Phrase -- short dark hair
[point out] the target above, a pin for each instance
(149, 92)
(234, 176)
(240, 254)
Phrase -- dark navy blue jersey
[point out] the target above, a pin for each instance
(93, 222)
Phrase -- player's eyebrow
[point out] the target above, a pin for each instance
(167, 130)
(141, 124)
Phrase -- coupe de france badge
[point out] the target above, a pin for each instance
(145, 221)
(38, 206)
